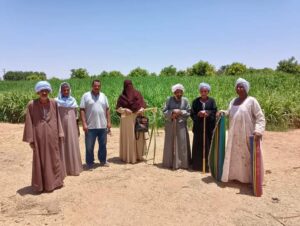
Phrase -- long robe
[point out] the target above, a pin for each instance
(43, 128)
(70, 147)
(198, 125)
(131, 149)
(177, 150)
(244, 120)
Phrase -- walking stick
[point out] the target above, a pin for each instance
(174, 143)
(203, 154)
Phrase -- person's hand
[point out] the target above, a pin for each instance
(128, 111)
(108, 125)
(177, 111)
(32, 146)
(62, 140)
(257, 136)
(84, 127)
(220, 113)
(174, 115)
(202, 114)
(141, 111)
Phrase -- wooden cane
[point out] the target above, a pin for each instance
(174, 145)
(203, 147)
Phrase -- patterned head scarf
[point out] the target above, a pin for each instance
(41, 85)
(177, 87)
(204, 85)
(244, 83)
(63, 101)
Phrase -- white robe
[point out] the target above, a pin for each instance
(244, 120)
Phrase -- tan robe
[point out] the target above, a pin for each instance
(70, 148)
(131, 150)
(43, 128)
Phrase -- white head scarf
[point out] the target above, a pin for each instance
(244, 83)
(43, 85)
(65, 101)
(176, 87)
(204, 85)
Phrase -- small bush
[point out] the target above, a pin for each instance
(138, 72)
(289, 66)
(168, 71)
(202, 68)
(235, 69)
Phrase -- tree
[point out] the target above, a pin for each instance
(79, 73)
(153, 74)
(290, 66)
(24, 75)
(104, 74)
(222, 70)
(168, 71)
(55, 79)
(236, 68)
(115, 74)
(138, 72)
(33, 77)
(202, 68)
(264, 71)
(181, 73)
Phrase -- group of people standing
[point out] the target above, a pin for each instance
(52, 132)
(51, 129)
(245, 119)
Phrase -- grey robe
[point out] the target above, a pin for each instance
(43, 128)
(177, 150)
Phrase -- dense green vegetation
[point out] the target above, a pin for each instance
(201, 68)
(24, 75)
(277, 92)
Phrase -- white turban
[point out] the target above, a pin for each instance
(204, 85)
(177, 86)
(43, 85)
(244, 83)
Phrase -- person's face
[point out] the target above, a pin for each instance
(43, 94)
(96, 87)
(65, 91)
(178, 94)
(240, 90)
(204, 93)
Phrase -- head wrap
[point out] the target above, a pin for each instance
(244, 83)
(176, 87)
(63, 101)
(204, 85)
(43, 85)
(130, 98)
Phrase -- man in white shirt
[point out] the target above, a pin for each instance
(95, 116)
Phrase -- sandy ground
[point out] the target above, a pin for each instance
(146, 194)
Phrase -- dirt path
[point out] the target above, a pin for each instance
(144, 194)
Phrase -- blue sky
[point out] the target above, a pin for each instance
(58, 35)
